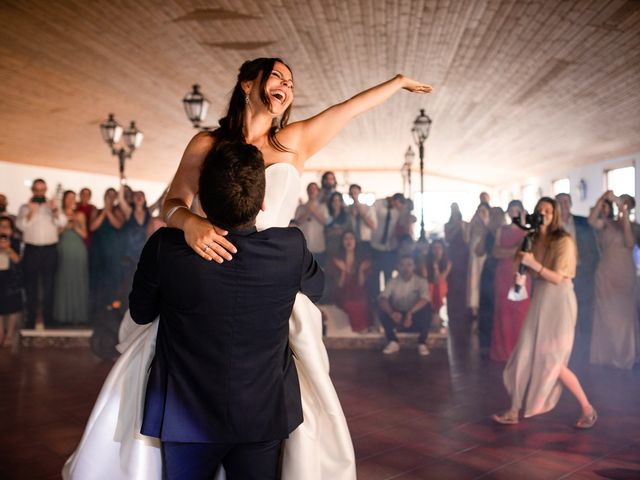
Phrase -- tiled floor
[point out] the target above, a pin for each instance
(410, 417)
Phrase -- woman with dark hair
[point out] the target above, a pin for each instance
(486, 303)
(455, 234)
(615, 339)
(438, 268)
(258, 114)
(11, 287)
(508, 315)
(135, 230)
(106, 251)
(339, 222)
(71, 300)
(350, 269)
(537, 369)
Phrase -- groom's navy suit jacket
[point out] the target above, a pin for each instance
(223, 370)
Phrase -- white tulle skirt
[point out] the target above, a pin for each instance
(112, 448)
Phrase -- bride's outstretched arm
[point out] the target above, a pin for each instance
(197, 230)
(315, 132)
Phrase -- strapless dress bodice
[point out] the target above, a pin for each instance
(281, 196)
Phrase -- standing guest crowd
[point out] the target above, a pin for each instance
(63, 261)
(468, 276)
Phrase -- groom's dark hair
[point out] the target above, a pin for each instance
(232, 184)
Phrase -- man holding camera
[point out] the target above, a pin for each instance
(39, 221)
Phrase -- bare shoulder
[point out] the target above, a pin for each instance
(198, 147)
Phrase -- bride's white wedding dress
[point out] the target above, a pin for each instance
(112, 448)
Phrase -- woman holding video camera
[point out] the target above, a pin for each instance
(537, 369)
(615, 330)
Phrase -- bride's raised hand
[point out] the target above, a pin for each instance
(414, 86)
(207, 240)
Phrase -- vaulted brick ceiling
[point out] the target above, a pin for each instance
(521, 86)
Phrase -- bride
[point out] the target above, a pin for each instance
(320, 448)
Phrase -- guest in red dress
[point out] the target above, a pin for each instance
(438, 269)
(508, 315)
(350, 270)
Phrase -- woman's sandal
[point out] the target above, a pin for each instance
(507, 418)
(587, 421)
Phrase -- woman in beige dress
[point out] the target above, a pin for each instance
(614, 340)
(537, 368)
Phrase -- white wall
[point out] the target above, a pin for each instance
(15, 183)
(593, 175)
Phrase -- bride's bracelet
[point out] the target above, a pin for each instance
(171, 211)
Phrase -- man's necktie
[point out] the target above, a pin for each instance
(385, 233)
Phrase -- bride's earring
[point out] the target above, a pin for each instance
(246, 98)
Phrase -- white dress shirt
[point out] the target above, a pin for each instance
(42, 228)
(312, 229)
(366, 213)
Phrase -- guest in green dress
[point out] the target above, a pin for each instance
(71, 304)
(106, 252)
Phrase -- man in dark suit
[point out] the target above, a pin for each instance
(588, 258)
(223, 388)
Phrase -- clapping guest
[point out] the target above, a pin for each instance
(438, 270)
(363, 218)
(455, 234)
(328, 184)
(339, 222)
(71, 305)
(39, 221)
(4, 203)
(106, 250)
(384, 243)
(10, 282)
(350, 268)
(486, 304)
(135, 230)
(87, 208)
(406, 221)
(615, 327)
(311, 218)
(508, 315)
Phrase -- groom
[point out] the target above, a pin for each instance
(223, 387)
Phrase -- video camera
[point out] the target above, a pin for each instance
(531, 225)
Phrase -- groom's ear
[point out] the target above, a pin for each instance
(263, 206)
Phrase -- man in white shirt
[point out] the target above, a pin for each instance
(405, 305)
(311, 217)
(384, 241)
(364, 217)
(39, 221)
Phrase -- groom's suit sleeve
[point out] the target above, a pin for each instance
(144, 299)
(312, 279)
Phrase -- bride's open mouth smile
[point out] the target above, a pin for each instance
(279, 95)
